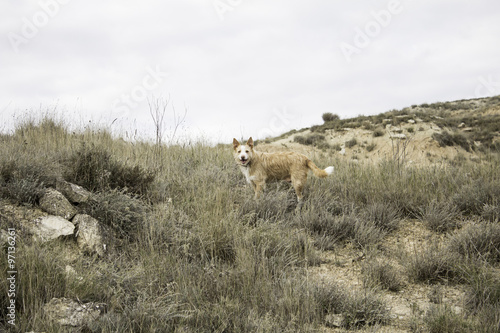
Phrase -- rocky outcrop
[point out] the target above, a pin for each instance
(54, 203)
(90, 234)
(67, 312)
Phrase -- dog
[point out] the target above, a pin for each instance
(261, 168)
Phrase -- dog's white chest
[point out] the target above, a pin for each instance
(246, 173)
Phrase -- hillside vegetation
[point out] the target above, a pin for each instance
(388, 246)
(421, 134)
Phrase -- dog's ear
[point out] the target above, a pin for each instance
(250, 143)
(235, 143)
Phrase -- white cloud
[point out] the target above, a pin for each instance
(232, 74)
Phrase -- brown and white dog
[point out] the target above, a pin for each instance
(261, 168)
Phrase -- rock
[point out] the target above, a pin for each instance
(54, 203)
(334, 320)
(89, 237)
(399, 136)
(51, 227)
(72, 192)
(462, 125)
(411, 121)
(467, 129)
(67, 312)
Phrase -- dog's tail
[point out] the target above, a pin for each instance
(320, 173)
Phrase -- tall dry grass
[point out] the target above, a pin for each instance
(192, 251)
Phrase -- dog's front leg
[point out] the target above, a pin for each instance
(257, 187)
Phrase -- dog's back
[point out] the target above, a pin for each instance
(279, 166)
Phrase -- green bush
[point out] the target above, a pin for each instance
(328, 116)
(94, 168)
(448, 139)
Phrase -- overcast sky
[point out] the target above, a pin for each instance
(241, 67)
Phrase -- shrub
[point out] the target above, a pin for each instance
(432, 264)
(491, 212)
(94, 168)
(483, 290)
(440, 217)
(367, 234)
(357, 308)
(330, 117)
(441, 319)
(371, 147)
(378, 132)
(383, 274)
(383, 215)
(351, 143)
(480, 241)
(25, 180)
(472, 198)
(121, 212)
(447, 139)
(313, 139)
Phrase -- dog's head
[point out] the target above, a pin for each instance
(243, 153)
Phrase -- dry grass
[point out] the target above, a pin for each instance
(193, 251)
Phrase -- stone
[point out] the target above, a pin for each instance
(90, 236)
(74, 193)
(51, 227)
(399, 136)
(334, 320)
(67, 312)
(54, 203)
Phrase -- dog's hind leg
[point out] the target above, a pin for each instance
(298, 182)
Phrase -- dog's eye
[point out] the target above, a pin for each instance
(239, 151)
(247, 151)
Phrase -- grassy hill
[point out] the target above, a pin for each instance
(429, 133)
(404, 243)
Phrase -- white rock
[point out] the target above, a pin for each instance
(89, 237)
(51, 227)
